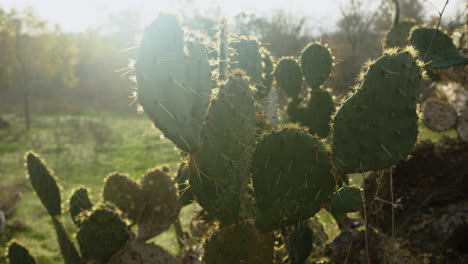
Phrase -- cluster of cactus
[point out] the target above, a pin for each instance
(255, 185)
(316, 65)
(439, 53)
(251, 180)
(104, 232)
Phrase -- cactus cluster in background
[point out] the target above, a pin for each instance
(250, 181)
(316, 65)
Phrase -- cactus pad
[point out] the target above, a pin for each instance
(442, 53)
(289, 77)
(102, 234)
(291, 178)
(317, 115)
(44, 184)
(161, 204)
(247, 57)
(377, 126)
(183, 186)
(438, 115)
(399, 34)
(67, 248)
(239, 243)
(222, 166)
(346, 200)
(124, 193)
(316, 64)
(79, 203)
(17, 254)
(173, 87)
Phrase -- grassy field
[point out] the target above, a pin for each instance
(83, 149)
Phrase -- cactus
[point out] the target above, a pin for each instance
(399, 34)
(17, 254)
(316, 65)
(124, 193)
(438, 115)
(222, 166)
(299, 243)
(102, 234)
(291, 178)
(48, 191)
(248, 58)
(161, 204)
(79, 203)
(267, 75)
(142, 253)
(437, 48)
(377, 126)
(166, 74)
(239, 243)
(44, 184)
(345, 200)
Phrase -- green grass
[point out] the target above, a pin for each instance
(81, 150)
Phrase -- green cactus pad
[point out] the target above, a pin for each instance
(291, 178)
(316, 64)
(173, 87)
(183, 186)
(79, 203)
(442, 52)
(239, 243)
(138, 252)
(317, 115)
(299, 243)
(347, 199)
(377, 126)
(68, 250)
(399, 34)
(247, 57)
(161, 204)
(102, 234)
(17, 254)
(44, 184)
(222, 166)
(289, 77)
(124, 193)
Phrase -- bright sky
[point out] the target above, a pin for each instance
(78, 15)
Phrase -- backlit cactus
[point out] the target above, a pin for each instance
(166, 74)
(17, 254)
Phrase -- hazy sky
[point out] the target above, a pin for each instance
(78, 15)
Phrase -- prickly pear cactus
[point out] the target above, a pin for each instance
(174, 87)
(161, 204)
(124, 193)
(441, 52)
(399, 34)
(247, 57)
(316, 64)
(79, 203)
(347, 199)
(44, 184)
(291, 178)
(222, 166)
(267, 74)
(102, 234)
(17, 254)
(377, 126)
(289, 77)
(48, 191)
(439, 115)
(239, 243)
